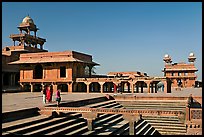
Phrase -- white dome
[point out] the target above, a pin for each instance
(28, 19)
(166, 56)
(191, 54)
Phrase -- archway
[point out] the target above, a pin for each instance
(125, 87)
(108, 87)
(94, 87)
(79, 87)
(38, 72)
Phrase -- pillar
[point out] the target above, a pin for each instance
(148, 87)
(42, 86)
(31, 87)
(87, 86)
(131, 118)
(165, 86)
(101, 84)
(132, 87)
(69, 87)
(54, 85)
(90, 116)
(41, 46)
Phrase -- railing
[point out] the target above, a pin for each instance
(113, 111)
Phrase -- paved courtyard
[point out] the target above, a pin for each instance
(24, 100)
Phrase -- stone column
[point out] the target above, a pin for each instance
(42, 86)
(90, 116)
(31, 87)
(132, 118)
(87, 86)
(148, 87)
(69, 87)
(101, 84)
(165, 86)
(132, 87)
(54, 85)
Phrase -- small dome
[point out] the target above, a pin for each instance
(166, 56)
(191, 54)
(28, 19)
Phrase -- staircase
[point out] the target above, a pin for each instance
(75, 124)
(165, 125)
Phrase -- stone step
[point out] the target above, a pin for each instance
(161, 127)
(23, 122)
(171, 133)
(40, 125)
(100, 104)
(124, 126)
(64, 126)
(140, 129)
(101, 125)
(72, 128)
(164, 123)
(53, 127)
(115, 128)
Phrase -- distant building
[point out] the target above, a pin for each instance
(23, 43)
(180, 74)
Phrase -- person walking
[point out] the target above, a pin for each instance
(48, 94)
(58, 97)
(44, 95)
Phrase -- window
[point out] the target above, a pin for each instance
(179, 74)
(172, 74)
(185, 73)
(62, 72)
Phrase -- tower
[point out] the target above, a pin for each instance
(25, 38)
(191, 58)
(167, 59)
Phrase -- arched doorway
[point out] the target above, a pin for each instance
(38, 72)
(79, 87)
(108, 87)
(94, 87)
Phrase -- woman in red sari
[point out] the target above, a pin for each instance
(48, 94)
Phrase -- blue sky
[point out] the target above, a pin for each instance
(132, 36)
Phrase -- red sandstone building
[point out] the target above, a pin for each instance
(181, 74)
(23, 43)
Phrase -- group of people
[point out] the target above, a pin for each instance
(47, 95)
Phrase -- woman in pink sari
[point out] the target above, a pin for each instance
(48, 94)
